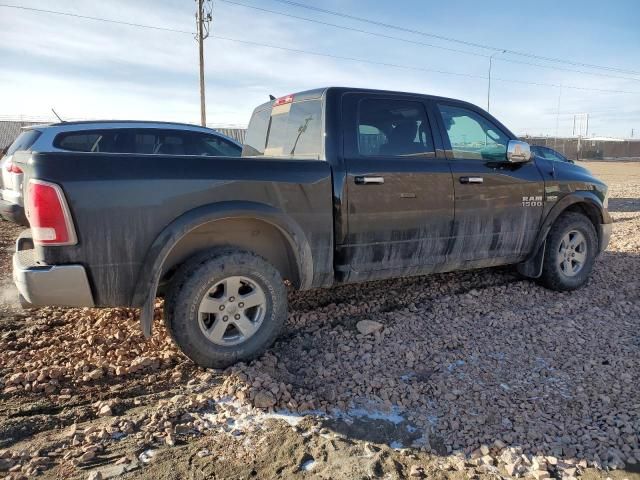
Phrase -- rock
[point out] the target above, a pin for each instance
(95, 475)
(539, 474)
(416, 471)
(511, 468)
(71, 431)
(486, 460)
(6, 464)
(105, 411)
(95, 374)
(366, 327)
(87, 456)
(264, 399)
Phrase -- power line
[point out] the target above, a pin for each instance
(422, 69)
(415, 42)
(97, 19)
(455, 40)
(319, 54)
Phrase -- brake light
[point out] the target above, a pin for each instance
(49, 215)
(283, 100)
(12, 167)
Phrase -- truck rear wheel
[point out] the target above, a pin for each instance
(570, 253)
(225, 306)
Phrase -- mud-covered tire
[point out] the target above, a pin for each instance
(195, 279)
(557, 271)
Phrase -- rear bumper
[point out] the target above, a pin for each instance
(56, 285)
(604, 234)
(12, 212)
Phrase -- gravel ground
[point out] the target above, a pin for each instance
(454, 375)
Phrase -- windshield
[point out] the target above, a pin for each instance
(289, 130)
(24, 141)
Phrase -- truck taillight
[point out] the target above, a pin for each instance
(48, 214)
(283, 100)
(12, 167)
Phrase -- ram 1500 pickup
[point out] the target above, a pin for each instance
(335, 185)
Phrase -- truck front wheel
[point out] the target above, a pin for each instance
(570, 253)
(225, 306)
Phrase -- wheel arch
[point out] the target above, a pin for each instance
(250, 226)
(583, 202)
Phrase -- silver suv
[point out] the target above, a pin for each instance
(105, 137)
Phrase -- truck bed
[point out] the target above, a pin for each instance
(122, 203)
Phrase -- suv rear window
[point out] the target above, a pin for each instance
(24, 141)
(289, 130)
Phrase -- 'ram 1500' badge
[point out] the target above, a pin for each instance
(532, 201)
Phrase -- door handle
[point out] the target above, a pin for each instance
(471, 180)
(369, 180)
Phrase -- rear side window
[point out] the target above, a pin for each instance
(167, 142)
(96, 141)
(288, 130)
(24, 141)
(396, 128)
(212, 145)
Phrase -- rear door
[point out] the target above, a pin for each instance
(498, 205)
(399, 192)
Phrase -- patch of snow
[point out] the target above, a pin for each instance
(147, 455)
(308, 465)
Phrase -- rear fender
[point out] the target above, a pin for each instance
(152, 269)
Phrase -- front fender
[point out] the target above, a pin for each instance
(590, 201)
(532, 266)
(151, 271)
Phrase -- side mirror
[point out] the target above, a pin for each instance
(518, 152)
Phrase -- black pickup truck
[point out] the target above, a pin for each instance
(334, 185)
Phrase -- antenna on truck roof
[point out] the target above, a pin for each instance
(54, 112)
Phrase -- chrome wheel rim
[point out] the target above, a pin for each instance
(572, 253)
(232, 311)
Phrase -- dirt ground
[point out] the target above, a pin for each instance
(476, 374)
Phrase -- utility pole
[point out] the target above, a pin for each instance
(203, 19)
(489, 84)
(586, 132)
(555, 141)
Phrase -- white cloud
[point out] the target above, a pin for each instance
(90, 69)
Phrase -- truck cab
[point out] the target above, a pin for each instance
(335, 185)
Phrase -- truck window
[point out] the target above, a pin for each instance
(256, 138)
(393, 128)
(471, 135)
(97, 141)
(289, 130)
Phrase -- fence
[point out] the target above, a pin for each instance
(590, 149)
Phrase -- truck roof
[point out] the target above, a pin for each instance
(319, 92)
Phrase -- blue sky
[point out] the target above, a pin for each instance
(88, 69)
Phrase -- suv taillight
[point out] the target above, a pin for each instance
(12, 167)
(49, 215)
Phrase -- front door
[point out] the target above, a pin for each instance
(498, 205)
(399, 192)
